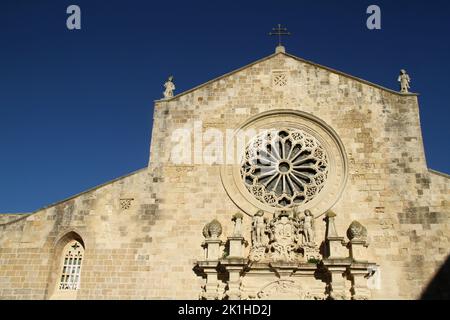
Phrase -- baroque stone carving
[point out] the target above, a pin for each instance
(356, 231)
(286, 289)
(284, 168)
(290, 237)
(212, 229)
(280, 289)
(283, 238)
(284, 261)
(405, 81)
(169, 88)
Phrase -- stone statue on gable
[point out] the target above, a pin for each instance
(169, 88)
(405, 81)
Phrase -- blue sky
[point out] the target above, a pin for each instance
(76, 106)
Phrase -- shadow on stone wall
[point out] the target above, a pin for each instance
(439, 287)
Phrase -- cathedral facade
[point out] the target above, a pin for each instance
(284, 179)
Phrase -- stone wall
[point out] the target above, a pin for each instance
(9, 217)
(148, 250)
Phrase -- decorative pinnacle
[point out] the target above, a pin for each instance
(279, 31)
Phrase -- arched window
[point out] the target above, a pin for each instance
(65, 273)
(70, 273)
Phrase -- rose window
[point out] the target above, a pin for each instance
(283, 168)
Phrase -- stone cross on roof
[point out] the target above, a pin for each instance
(279, 31)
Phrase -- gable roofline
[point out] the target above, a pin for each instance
(91, 189)
(295, 58)
(13, 217)
(352, 77)
(442, 174)
(22, 216)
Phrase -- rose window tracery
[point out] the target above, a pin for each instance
(283, 168)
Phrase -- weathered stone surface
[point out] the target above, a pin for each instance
(145, 249)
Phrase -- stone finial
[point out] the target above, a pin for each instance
(279, 31)
(206, 231)
(405, 81)
(358, 244)
(212, 229)
(330, 214)
(236, 242)
(356, 231)
(237, 218)
(238, 215)
(336, 247)
(280, 48)
(332, 232)
(169, 88)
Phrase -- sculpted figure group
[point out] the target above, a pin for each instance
(304, 224)
(284, 237)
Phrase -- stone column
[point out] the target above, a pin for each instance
(212, 283)
(235, 262)
(339, 289)
(210, 268)
(358, 244)
(212, 232)
(234, 268)
(359, 269)
(212, 249)
(358, 250)
(337, 261)
(358, 275)
(336, 246)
